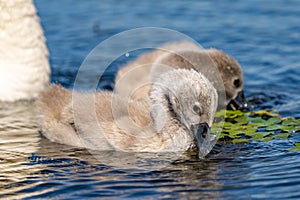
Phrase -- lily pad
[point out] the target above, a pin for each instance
(250, 131)
(262, 126)
(273, 120)
(234, 132)
(295, 149)
(220, 113)
(297, 144)
(266, 113)
(233, 113)
(242, 120)
(287, 128)
(240, 140)
(291, 121)
(274, 127)
(222, 135)
(282, 135)
(258, 121)
(280, 127)
(267, 139)
(260, 135)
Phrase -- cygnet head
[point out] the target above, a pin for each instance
(187, 99)
(232, 76)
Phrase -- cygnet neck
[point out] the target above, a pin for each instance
(167, 121)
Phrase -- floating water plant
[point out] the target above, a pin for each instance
(296, 148)
(262, 125)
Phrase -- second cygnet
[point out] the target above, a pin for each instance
(134, 79)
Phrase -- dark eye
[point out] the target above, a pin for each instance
(196, 109)
(237, 83)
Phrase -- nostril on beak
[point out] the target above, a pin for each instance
(201, 131)
(204, 132)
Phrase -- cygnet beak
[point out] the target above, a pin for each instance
(201, 131)
(239, 103)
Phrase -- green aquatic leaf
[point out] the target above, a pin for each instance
(240, 140)
(291, 121)
(234, 132)
(250, 131)
(267, 139)
(223, 135)
(287, 128)
(273, 120)
(283, 135)
(230, 126)
(258, 121)
(242, 120)
(244, 127)
(297, 129)
(218, 125)
(297, 144)
(260, 135)
(294, 149)
(265, 113)
(221, 113)
(261, 122)
(233, 113)
(274, 127)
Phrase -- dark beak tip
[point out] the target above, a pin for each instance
(239, 103)
(202, 131)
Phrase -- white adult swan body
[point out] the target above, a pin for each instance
(24, 64)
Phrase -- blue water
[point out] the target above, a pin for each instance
(264, 36)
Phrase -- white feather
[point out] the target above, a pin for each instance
(24, 65)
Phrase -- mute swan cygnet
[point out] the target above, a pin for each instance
(24, 65)
(187, 55)
(181, 111)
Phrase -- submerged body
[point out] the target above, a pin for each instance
(174, 120)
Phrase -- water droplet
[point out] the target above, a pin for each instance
(127, 54)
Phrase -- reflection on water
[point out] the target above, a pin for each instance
(39, 168)
(231, 171)
(18, 137)
(18, 128)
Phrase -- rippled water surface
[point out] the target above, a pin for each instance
(263, 36)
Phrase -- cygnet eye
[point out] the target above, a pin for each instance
(237, 83)
(196, 109)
